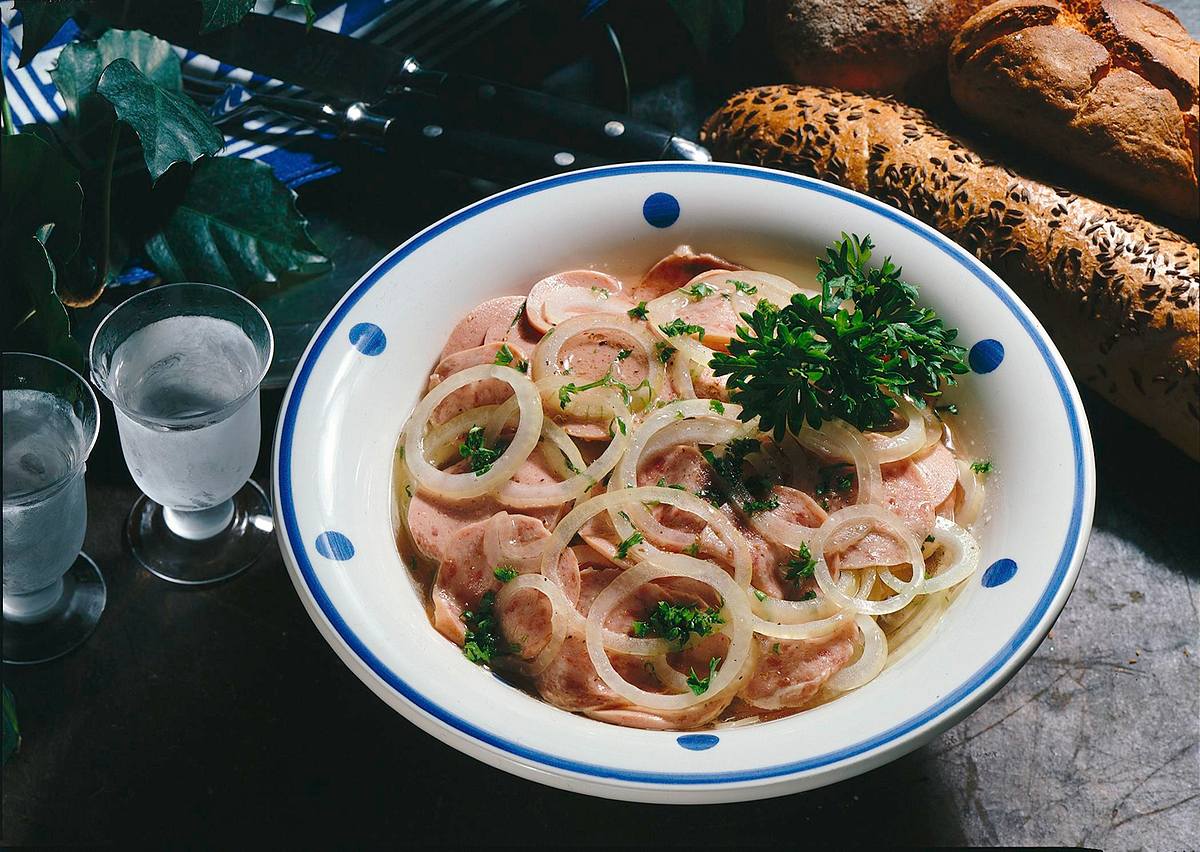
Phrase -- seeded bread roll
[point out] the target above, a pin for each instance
(1108, 87)
(1117, 292)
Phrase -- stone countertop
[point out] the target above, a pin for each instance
(220, 714)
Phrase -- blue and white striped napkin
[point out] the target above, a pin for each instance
(434, 28)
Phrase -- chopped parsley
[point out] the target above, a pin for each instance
(639, 312)
(505, 573)
(523, 367)
(677, 327)
(775, 649)
(623, 354)
(929, 539)
(634, 539)
(699, 685)
(664, 351)
(743, 287)
(846, 353)
(482, 641)
(481, 457)
(834, 483)
(699, 291)
(717, 406)
(800, 567)
(728, 465)
(946, 409)
(662, 483)
(570, 464)
(677, 623)
(983, 466)
(693, 549)
(606, 381)
(504, 357)
(599, 292)
(620, 425)
(754, 506)
(809, 596)
(762, 596)
(517, 317)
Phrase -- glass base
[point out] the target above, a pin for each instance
(199, 561)
(63, 626)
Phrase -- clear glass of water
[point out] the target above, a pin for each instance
(182, 365)
(53, 593)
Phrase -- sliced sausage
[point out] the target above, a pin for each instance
(716, 315)
(590, 354)
(788, 672)
(465, 576)
(487, 392)
(472, 328)
(433, 520)
(568, 294)
(674, 271)
(520, 332)
(913, 489)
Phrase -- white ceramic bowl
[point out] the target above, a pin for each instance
(366, 368)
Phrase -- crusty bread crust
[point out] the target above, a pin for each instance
(880, 46)
(1105, 86)
(1117, 292)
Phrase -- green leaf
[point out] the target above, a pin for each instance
(711, 23)
(41, 197)
(217, 14)
(12, 732)
(40, 22)
(310, 14)
(171, 128)
(81, 63)
(34, 318)
(235, 226)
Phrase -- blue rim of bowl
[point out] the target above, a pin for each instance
(1074, 540)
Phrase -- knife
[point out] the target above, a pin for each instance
(412, 124)
(364, 72)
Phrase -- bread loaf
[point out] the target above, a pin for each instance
(1105, 86)
(1117, 293)
(880, 46)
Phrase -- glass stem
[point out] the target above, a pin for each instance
(199, 524)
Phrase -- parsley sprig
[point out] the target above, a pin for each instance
(846, 353)
(482, 641)
(635, 538)
(728, 468)
(800, 567)
(677, 327)
(678, 623)
(606, 381)
(480, 456)
(699, 685)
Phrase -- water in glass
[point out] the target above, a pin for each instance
(45, 509)
(190, 370)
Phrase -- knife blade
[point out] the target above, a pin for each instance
(358, 70)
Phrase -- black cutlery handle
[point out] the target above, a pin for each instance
(510, 109)
(481, 154)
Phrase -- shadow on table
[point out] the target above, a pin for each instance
(1147, 490)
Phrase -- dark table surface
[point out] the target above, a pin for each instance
(220, 715)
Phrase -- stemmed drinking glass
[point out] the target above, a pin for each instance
(53, 593)
(182, 365)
